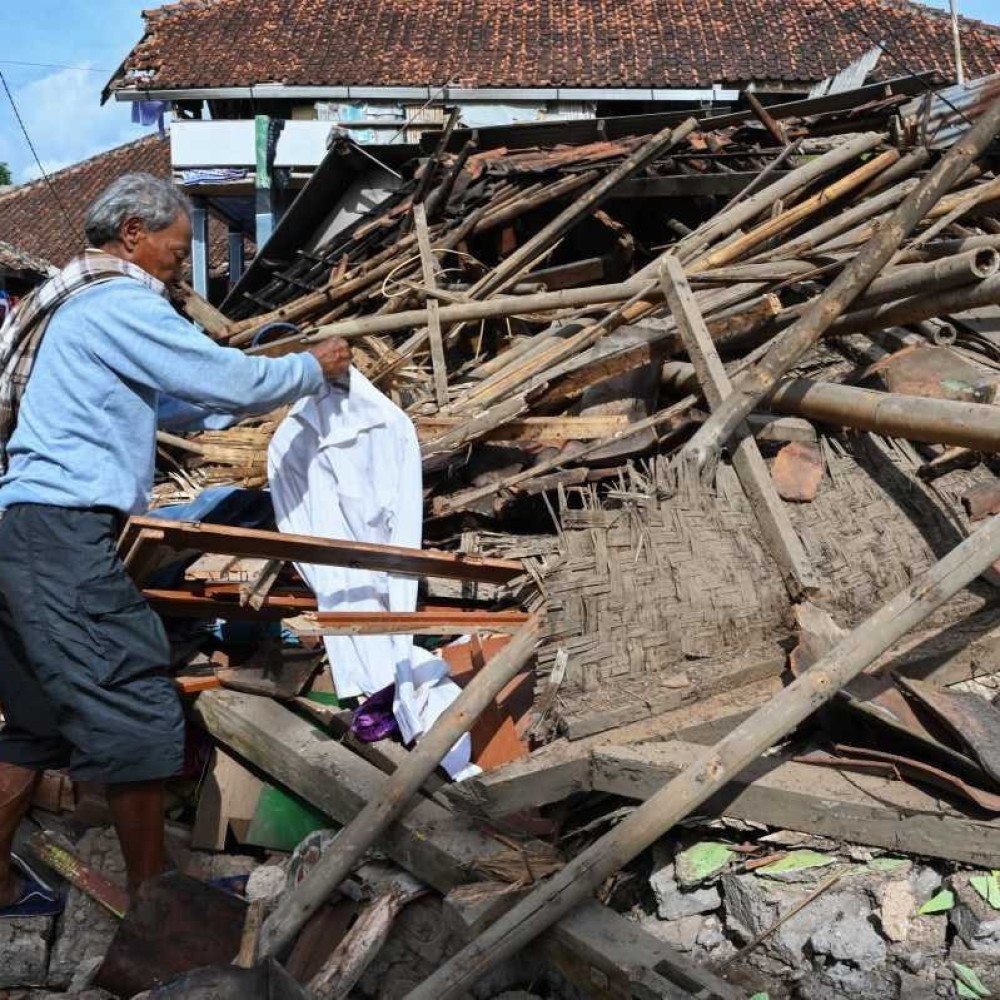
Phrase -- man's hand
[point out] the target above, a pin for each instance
(334, 356)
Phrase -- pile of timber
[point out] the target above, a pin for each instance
(680, 423)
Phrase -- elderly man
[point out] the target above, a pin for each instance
(83, 659)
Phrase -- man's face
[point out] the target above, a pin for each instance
(161, 253)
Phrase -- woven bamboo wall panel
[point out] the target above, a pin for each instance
(644, 593)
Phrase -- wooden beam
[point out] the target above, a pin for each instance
(779, 535)
(740, 672)
(554, 429)
(860, 808)
(456, 622)
(439, 847)
(546, 776)
(190, 535)
(563, 768)
(438, 363)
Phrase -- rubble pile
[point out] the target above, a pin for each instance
(707, 421)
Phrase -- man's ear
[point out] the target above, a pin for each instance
(132, 231)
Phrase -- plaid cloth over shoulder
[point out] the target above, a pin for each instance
(22, 332)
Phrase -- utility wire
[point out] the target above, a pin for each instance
(832, 4)
(74, 232)
(46, 65)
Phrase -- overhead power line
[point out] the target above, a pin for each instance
(894, 56)
(74, 232)
(46, 65)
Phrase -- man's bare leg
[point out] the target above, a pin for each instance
(17, 789)
(137, 812)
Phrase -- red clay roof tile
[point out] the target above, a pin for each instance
(539, 43)
(49, 225)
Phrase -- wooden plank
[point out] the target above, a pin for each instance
(438, 363)
(739, 673)
(440, 848)
(228, 799)
(776, 527)
(551, 429)
(186, 603)
(543, 778)
(562, 768)
(858, 808)
(456, 622)
(141, 532)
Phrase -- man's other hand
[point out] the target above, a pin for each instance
(334, 357)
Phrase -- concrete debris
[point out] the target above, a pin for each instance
(85, 928)
(974, 920)
(25, 950)
(673, 903)
(897, 909)
(848, 935)
(266, 883)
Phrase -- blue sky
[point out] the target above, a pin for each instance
(83, 41)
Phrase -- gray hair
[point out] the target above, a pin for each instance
(154, 201)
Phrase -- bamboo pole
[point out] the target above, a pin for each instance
(715, 767)
(461, 312)
(351, 843)
(917, 418)
(528, 202)
(703, 449)
(793, 216)
(510, 269)
(971, 426)
(731, 219)
(947, 248)
(439, 366)
(920, 307)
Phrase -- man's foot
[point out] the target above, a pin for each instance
(29, 896)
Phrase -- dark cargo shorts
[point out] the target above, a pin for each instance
(84, 680)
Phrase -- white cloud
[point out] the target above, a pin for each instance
(66, 122)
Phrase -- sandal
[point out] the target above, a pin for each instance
(37, 899)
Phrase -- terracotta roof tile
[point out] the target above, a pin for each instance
(524, 43)
(33, 221)
(30, 215)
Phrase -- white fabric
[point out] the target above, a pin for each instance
(346, 464)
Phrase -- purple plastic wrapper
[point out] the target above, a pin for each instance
(373, 719)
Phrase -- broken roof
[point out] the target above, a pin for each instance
(15, 261)
(538, 43)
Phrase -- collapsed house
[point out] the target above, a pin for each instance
(788, 649)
